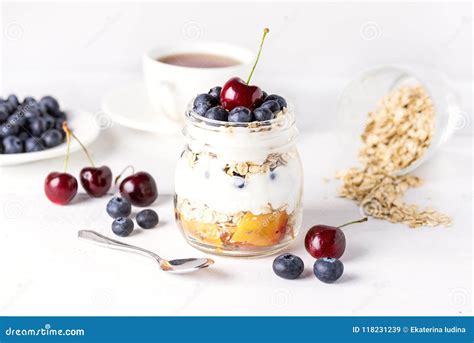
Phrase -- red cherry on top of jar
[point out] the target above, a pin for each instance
(327, 241)
(236, 92)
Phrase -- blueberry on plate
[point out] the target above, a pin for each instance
(12, 99)
(23, 135)
(215, 92)
(119, 207)
(288, 266)
(203, 102)
(30, 110)
(49, 121)
(265, 94)
(36, 126)
(147, 219)
(122, 227)
(272, 105)
(7, 129)
(49, 105)
(17, 118)
(3, 112)
(12, 145)
(33, 144)
(240, 114)
(29, 100)
(58, 124)
(281, 101)
(217, 113)
(328, 269)
(52, 138)
(263, 114)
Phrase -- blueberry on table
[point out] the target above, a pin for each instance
(49, 105)
(281, 101)
(240, 114)
(204, 102)
(33, 144)
(12, 145)
(328, 269)
(263, 114)
(272, 105)
(217, 113)
(215, 92)
(52, 137)
(119, 207)
(122, 227)
(288, 266)
(147, 219)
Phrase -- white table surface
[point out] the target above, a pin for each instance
(389, 269)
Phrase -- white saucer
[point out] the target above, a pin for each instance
(129, 106)
(85, 127)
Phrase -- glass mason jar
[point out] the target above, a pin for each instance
(363, 93)
(238, 186)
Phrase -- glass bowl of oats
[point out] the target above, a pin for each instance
(399, 118)
(238, 186)
(401, 114)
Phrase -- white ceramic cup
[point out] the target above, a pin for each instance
(170, 88)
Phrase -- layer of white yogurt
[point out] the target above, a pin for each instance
(207, 183)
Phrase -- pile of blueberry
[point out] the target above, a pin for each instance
(30, 125)
(120, 209)
(211, 106)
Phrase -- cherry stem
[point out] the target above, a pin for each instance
(265, 31)
(70, 133)
(123, 171)
(68, 145)
(354, 222)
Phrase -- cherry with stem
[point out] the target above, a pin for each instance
(96, 181)
(236, 92)
(61, 188)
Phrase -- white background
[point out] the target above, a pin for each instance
(79, 51)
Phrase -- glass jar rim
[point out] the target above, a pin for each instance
(280, 123)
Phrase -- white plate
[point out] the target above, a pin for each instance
(85, 128)
(129, 106)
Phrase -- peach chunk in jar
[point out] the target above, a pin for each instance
(261, 230)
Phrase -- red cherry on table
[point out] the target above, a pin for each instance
(327, 241)
(60, 188)
(236, 92)
(139, 188)
(96, 180)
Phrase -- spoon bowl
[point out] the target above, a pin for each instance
(183, 265)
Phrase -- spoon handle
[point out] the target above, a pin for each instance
(97, 238)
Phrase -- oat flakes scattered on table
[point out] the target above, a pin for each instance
(397, 133)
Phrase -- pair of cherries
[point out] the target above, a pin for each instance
(61, 187)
